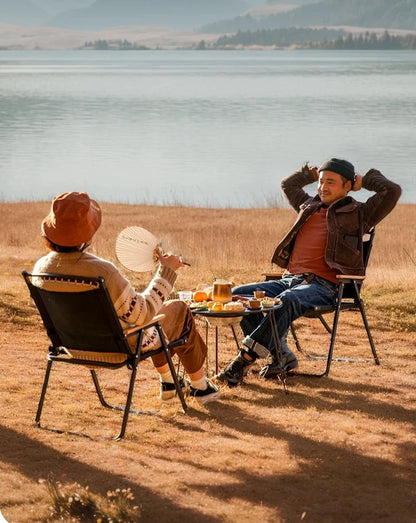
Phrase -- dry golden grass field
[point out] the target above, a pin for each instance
(335, 449)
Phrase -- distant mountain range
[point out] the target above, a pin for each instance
(53, 7)
(21, 12)
(385, 14)
(71, 23)
(100, 14)
(183, 14)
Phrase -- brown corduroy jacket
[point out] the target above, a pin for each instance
(347, 219)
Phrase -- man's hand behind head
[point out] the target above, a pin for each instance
(357, 183)
(314, 171)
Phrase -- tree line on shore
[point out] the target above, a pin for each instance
(304, 38)
(120, 45)
(317, 39)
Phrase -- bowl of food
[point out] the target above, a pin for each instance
(269, 302)
(235, 306)
(254, 304)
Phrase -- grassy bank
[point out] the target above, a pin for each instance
(235, 244)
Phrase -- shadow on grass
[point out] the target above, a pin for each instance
(15, 313)
(329, 394)
(330, 482)
(36, 460)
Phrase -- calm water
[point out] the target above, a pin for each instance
(199, 128)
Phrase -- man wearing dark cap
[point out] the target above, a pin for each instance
(324, 241)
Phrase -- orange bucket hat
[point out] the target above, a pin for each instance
(73, 219)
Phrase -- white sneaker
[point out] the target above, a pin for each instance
(168, 390)
(211, 393)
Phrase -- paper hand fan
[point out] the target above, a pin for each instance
(135, 249)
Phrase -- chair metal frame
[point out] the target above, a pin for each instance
(348, 299)
(86, 320)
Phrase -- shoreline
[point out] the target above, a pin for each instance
(281, 205)
(43, 38)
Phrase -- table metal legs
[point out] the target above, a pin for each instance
(282, 376)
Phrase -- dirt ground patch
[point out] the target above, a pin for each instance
(340, 448)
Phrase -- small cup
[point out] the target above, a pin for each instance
(185, 295)
(254, 304)
(259, 295)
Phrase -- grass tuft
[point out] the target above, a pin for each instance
(77, 503)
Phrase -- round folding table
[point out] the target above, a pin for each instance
(230, 318)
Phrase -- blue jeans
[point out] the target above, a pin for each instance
(296, 296)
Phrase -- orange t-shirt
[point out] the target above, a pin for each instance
(308, 253)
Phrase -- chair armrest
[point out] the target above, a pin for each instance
(272, 276)
(350, 277)
(136, 328)
(177, 343)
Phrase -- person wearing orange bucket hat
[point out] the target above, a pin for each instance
(68, 230)
(73, 219)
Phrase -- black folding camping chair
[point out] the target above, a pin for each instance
(348, 299)
(86, 321)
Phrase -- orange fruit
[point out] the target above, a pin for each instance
(209, 294)
(199, 296)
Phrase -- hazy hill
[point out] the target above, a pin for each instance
(36, 12)
(53, 7)
(217, 16)
(21, 12)
(389, 14)
(97, 14)
(400, 14)
(289, 3)
(184, 14)
(276, 6)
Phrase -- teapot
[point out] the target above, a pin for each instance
(222, 291)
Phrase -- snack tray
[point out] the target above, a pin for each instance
(232, 314)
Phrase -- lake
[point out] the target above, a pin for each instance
(203, 128)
